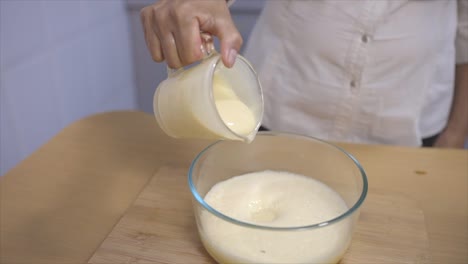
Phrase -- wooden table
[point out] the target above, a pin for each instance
(60, 203)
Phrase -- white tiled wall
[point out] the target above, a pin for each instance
(60, 60)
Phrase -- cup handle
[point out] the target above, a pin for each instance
(207, 47)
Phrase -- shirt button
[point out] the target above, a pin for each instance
(365, 38)
(353, 87)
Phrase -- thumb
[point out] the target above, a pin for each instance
(231, 42)
(229, 37)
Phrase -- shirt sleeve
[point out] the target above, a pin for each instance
(461, 41)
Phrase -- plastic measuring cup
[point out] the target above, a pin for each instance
(187, 104)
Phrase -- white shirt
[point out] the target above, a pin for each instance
(359, 71)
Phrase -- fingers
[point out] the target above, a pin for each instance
(177, 42)
(181, 47)
(188, 42)
(151, 38)
(172, 30)
(171, 54)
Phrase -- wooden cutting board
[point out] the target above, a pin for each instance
(160, 228)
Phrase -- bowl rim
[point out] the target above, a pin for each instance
(337, 219)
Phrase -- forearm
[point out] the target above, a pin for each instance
(458, 119)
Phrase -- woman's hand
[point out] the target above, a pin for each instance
(172, 30)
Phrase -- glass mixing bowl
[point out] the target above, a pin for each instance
(230, 240)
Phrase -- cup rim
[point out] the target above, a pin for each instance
(245, 138)
(340, 217)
